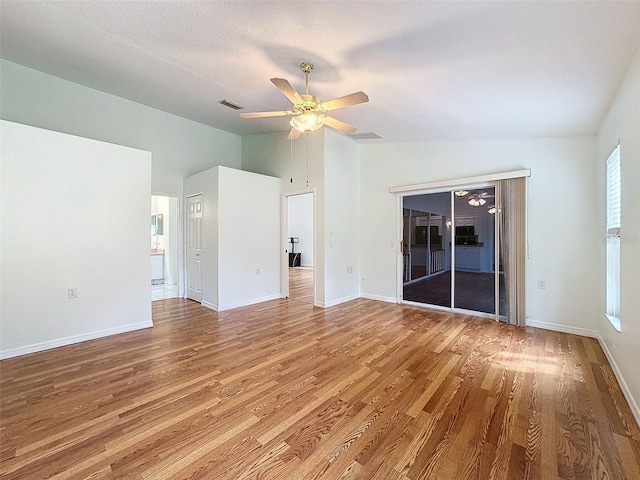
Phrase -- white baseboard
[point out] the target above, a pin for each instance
(557, 327)
(333, 303)
(380, 298)
(595, 334)
(623, 385)
(210, 306)
(62, 342)
(253, 301)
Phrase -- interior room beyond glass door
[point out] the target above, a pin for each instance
(427, 249)
(474, 239)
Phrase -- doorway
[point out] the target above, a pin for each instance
(449, 251)
(300, 271)
(194, 248)
(165, 247)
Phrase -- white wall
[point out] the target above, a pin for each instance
(622, 123)
(300, 225)
(334, 162)
(240, 236)
(270, 154)
(563, 237)
(248, 238)
(173, 247)
(206, 183)
(180, 147)
(75, 213)
(341, 218)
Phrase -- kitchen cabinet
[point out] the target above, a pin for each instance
(468, 258)
(157, 268)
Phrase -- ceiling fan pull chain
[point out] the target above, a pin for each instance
(291, 154)
(307, 135)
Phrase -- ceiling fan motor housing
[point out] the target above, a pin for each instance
(309, 104)
(306, 67)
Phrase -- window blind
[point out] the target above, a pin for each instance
(614, 201)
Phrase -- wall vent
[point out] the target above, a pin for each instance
(229, 104)
(365, 136)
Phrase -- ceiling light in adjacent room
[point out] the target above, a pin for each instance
(492, 209)
(476, 201)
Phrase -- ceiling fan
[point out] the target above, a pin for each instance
(308, 109)
(475, 199)
(479, 199)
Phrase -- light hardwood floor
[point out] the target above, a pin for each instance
(301, 284)
(285, 390)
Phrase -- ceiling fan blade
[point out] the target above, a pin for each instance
(347, 100)
(338, 125)
(287, 90)
(279, 113)
(293, 134)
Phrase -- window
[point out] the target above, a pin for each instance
(614, 222)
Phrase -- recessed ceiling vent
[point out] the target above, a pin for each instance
(229, 104)
(366, 136)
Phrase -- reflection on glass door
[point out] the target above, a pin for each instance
(474, 236)
(427, 249)
(449, 251)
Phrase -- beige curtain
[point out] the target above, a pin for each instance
(511, 195)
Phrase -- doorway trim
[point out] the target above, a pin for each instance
(400, 261)
(180, 236)
(445, 185)
(185, 250)
(284, 257)
(440, 187)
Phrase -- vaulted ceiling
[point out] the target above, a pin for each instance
(433, 70)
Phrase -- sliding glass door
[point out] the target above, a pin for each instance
(449, 250)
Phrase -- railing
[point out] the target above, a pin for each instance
(437, 261)
(407, 267)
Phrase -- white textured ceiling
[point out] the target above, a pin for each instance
(433, 70)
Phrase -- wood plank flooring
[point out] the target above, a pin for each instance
(301, 284)
(284, 390)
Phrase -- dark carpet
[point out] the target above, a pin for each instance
(474, 291)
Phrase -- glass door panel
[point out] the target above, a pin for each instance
(474, 239)
(427, 249)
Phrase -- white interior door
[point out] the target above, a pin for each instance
(194, 248)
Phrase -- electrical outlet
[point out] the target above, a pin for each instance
(542, 284)
(72, 292)
(349, 269)
(257, 271)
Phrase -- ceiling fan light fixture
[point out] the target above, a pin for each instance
(477, 201)
(492, 210)
(460, 193)
(307, 122)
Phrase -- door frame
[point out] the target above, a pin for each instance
(180, 237)
(185, 219)
(442, 186)
(284, 257)
(450, 188)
